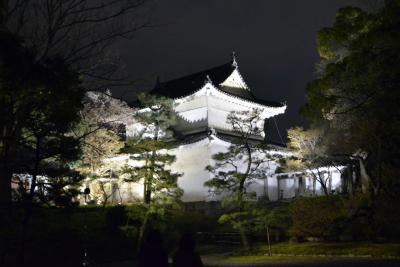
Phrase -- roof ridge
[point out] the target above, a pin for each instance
(189, 84)
(271, 104)
(200, 72)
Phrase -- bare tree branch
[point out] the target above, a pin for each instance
(80, 32)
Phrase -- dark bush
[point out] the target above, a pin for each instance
(333, 218)
(115, 217)
(387, 202)
(317, 216)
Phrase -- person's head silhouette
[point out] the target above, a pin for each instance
(152, 253)
(186, 256)
(187, 242)
(154, 238)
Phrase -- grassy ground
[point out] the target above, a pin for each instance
(331, 254)
(317, 248)
(308, 262)
(281, 261)
(262, 258)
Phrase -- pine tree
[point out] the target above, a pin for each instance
(235, 169)
(149, 149)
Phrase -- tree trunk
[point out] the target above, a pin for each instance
(241, 192)
(314, 185)
(26, 220)
(326, 192)
(3, 12)
(266, 189)
(29, 201)
(147, 197)
(5, 174)
(378, 166)
(243, 237)
(350, 179)
(321, 180)
(269, 243)
(152, 164)
(364, 177)
(142, 230)
(329, 181)
(106, 196)
(242, 230)
(5, 186)
(146, 179)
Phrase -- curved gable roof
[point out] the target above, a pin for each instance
(189, 84)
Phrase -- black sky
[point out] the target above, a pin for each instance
(274, 41)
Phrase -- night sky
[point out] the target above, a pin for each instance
(274, 40)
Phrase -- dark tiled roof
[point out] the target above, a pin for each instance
(189, 84)
(193, 82)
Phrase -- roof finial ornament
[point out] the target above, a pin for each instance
(234, 63)
(211, 132)
(208, 79)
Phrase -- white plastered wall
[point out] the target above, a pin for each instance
(192, 160)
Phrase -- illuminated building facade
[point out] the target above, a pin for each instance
(203, 101)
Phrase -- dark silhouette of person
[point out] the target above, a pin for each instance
(152, 253)
(186, 256)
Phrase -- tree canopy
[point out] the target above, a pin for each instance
(51, 53)
(356, 93)
(39, 103)
(236, 169)
(149, 147)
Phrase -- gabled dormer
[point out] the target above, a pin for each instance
(204, 99)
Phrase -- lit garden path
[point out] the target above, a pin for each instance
(214, 261)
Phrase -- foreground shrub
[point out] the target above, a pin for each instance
(386, 213)
(317, 216)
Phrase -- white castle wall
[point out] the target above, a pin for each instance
(192, 159)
